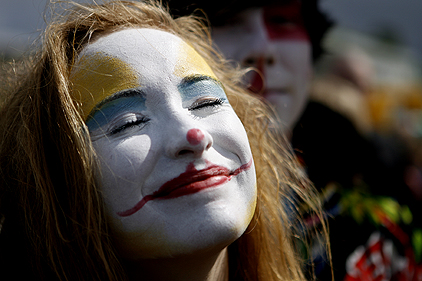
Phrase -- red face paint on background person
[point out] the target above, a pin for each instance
(274, 41)
(285, 22)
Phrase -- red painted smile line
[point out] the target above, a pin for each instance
(189, 182)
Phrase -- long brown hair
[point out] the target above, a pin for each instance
(54, 218)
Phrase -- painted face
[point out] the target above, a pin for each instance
(176, 170)
(272, 39)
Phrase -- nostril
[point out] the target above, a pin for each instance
(184, 151)
(208, 146)
(249, 62)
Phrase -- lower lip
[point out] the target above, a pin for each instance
(221, 176)
(181, 191)
(196, 187)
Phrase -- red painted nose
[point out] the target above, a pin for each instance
(195, 136)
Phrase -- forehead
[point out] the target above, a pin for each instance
(143, 48)
(132, 58)
(137, 48)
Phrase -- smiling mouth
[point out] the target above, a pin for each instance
(189, 182)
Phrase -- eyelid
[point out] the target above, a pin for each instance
(206, 102)
(126, 122)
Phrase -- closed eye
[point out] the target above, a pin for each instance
(203, 103)
(128, 124)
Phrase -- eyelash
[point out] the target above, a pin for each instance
(195, 106)
(206, 103)
(129, 124)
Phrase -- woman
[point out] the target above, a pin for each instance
(122, 158)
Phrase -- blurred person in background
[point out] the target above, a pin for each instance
(281, 40)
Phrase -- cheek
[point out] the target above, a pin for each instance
(123, 170)
(252, 203)
(229, 134)
(124, 161)
(299, 54)
(248, 191)
(302, 70)
(292, 62)
(296, 54)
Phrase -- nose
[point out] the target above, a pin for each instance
(259, 58)
(261, 55)
(189, 142)
(260, 52)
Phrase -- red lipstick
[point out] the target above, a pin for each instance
(189, 182)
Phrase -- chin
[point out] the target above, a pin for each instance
(216, 229)
(212, 238)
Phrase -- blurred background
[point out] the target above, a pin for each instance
(383, 35)
(375, 44)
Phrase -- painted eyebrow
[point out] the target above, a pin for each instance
(197, 78)
(121, 94)
(186, 81)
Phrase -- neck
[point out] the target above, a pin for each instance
(213, 267)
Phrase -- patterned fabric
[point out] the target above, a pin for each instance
(372, 236)
(378, 260)
(368, 238)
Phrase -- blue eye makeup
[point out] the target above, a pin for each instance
(106, 111)
(203, 91)
(124, 110)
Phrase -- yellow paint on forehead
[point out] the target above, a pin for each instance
(97, 76)
(189, 63)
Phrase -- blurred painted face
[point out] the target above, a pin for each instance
(272, 39)
(177, 173)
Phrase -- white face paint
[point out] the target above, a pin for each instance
(273, 40)
(176, 169)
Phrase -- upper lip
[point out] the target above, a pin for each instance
(190, 176)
